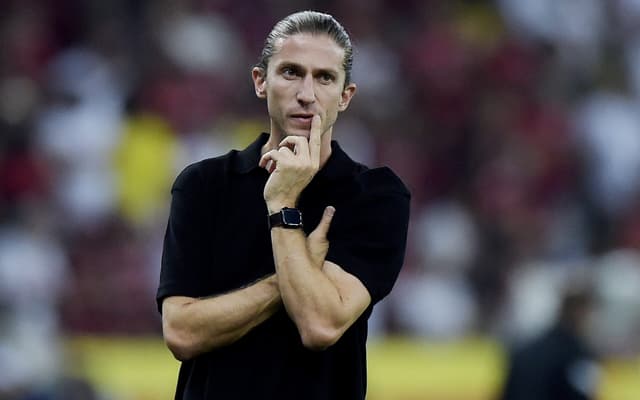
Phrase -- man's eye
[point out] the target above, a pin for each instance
(326, 78)
(289, 72)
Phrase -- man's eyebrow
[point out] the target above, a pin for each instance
(330, 71)
(295, 65)
(290, 64)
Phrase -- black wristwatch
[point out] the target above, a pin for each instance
(290, 218)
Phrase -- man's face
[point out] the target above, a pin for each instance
(304, 77)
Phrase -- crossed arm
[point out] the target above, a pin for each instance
(192, 326)
(321, 298)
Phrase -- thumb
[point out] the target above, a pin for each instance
(325, 222)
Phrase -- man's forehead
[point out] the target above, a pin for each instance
(303, 48)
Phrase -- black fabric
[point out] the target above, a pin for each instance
(218, 240)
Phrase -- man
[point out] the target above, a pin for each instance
(558, 364)
(263, 293)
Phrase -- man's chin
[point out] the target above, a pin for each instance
(297, 132)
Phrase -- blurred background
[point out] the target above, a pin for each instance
(515, 124)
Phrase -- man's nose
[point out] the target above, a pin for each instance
(306, 91)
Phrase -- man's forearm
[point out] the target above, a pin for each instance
(192, 326)
(309, 296)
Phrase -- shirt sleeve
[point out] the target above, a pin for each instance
(368, 236)
(184, 255)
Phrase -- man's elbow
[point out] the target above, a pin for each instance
(180, 343)
(181, 349)
(180, 352)
(318, 337)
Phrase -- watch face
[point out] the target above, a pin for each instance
(291, 217)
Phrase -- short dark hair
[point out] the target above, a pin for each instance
(309, 22)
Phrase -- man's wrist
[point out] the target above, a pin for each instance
(287, 217)
(274, 207)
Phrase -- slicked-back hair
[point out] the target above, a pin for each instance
(312, 22)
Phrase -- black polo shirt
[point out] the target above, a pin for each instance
(218, 240)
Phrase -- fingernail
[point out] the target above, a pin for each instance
(330, 211)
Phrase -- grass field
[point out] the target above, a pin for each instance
(399, 369)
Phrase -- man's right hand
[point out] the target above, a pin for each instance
(292, 166)
(317, 242)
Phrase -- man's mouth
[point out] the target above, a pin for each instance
(302, 116)
(302, 120)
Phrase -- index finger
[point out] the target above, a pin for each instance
(314, 139)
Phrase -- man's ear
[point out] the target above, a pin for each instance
(347, 95)
(259, 82)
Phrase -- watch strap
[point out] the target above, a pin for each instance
(290, 218)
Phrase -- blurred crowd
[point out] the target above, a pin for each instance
(515, 124)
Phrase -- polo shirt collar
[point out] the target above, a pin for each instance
(247, 160)
(338, 165)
